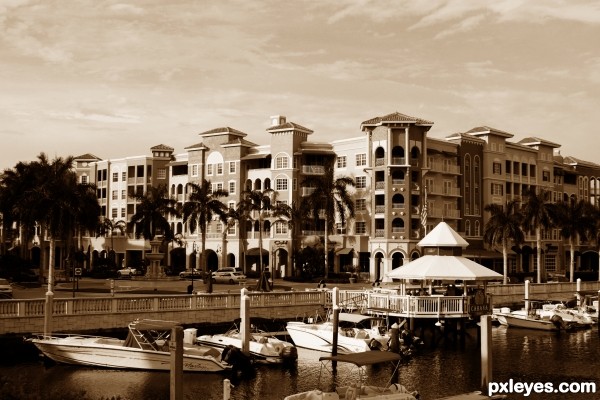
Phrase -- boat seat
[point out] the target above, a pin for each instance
(361, 334)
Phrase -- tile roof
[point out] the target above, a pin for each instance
(240, 141)
(396, 117)
(224, 129)
(196, 146)
(87, 156)
(486, 129)
(528, 141)
(162, 147)
(289, 126)
(443, 236)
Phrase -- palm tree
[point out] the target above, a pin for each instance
(198, 211)
(109, 227)
(153, 208)
(229, 219)
(503, 227)
(537, 215)
(294, 214)
(254, 205)
(332, 196)
(575, 220)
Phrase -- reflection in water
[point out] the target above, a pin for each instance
(523, 355)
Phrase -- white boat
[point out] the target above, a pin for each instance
(146, 347)
(264, 348)
(356, 333)
(551, 316)
(352, 385)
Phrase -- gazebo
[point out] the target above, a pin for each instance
(442, 261)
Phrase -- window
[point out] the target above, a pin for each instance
(468, 228)
(360, 228)
(340, 229)
(546, 176)
(361, 182)
(341, 162)
(231, 205)
(294, 184)
(115, 177)
(231, 230)
(114, 213)
(209, 169)
(124, 176)
(232, 187)
(281, 162)
(361, 205)
(162, 173)
(216, 186)
(281, 228)
(123, 194)
(115, 194)
(497, 168)
(195, 170)
(84, 179)
(361, 160)
(281, 184)
(232, 167)
(497, 189)
(122, 213)
(476, 228)
(220, 169)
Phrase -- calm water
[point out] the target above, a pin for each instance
(522, 355)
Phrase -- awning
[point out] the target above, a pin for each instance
(255, 252)
(344, 251)
(254, 156)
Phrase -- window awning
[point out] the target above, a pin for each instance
(345, 250)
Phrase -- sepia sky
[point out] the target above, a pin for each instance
(114, 78)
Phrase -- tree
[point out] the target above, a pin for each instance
(153, 208)
(294, 214)
(575, 220)
(198, 210)
(228, 219)
(331, 198)
(503, 227)
(538, 214)
(255, 204)
(110, 227)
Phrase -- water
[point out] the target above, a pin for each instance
(450, 369)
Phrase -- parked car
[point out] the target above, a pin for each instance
(6, 291)
(127, 272)
(228, 277)
(195, 273)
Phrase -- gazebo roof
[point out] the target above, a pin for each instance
(443, 236)
(444, 268)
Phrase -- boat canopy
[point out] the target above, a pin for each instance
(364, 358)
(357, 318)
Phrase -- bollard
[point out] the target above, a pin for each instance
(227, 389)
(176, 376)
(395, 339)
(486, 351)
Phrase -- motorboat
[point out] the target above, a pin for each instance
(545, 315)
(353, 384)
(264, 348)
(356, 333)
(146, 347)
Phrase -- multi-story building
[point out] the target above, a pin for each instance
(406, 182)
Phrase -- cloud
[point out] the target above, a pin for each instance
(95, 116)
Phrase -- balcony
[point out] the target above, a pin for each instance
(379, 233)
(380, 209)
(398, 161)
(305, 191)
(380, 185)
(379, 162)
(397, 206)
(313, 169)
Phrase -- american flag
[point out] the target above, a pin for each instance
(424, 210)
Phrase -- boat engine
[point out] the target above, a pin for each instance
(558, 321)
(241, 363)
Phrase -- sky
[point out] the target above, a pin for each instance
(114, 78)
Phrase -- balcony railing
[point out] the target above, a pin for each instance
(313, 169)
(305, 191)
(398, 160)
(379, 161)
(379, 233)
(380, 185)
(380, 209)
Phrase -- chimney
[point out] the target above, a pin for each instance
(277, 120)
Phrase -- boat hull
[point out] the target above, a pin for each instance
(320, 337)
(270, 351)
(529, 323)
(91, 352)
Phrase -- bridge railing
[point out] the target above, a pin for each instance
(155, 303)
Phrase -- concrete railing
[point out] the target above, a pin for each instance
(26, 316)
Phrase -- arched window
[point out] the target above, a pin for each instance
(397, 225)
(398, 201)
(397, 260)
(468, 228)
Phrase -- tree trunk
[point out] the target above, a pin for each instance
(572, 260)
(505, 259)
(538, 239)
